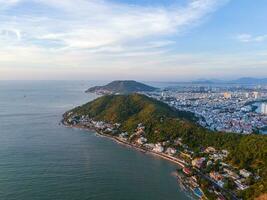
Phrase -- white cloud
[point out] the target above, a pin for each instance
(94, 35)
(250, 38)
(4, 4)
(83, 24)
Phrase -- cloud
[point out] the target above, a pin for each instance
(141, 66)
(95, 35)
(10, 34)
(4, 4)
(250, 38)
(83, 24)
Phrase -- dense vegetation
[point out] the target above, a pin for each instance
(123, 87)
(164, 123)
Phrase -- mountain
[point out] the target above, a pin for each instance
(122, 87)
(130, 110)
(203, 82)
(249, 80)
(244, 80)
(163, 123)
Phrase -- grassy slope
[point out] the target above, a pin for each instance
(164, 123)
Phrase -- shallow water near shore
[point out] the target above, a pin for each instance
(43, 160)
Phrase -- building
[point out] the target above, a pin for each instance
(245, 173)
(158, 148)
(227, 95)
(141, 140)
(198, 162)
(231, 174)
(210, 150)
(263, 108)
(171, 151)
(256, 95)
(220, 183)
(216, 176)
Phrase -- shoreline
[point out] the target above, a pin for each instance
(189, 190)
(180, 163)
(128, 144)
(181, 185)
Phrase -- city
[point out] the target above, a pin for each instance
(237, 109)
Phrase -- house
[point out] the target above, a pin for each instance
(141, 140)
(210, 150)
(225, 153)
(198, 162)
(231, 173)
(215, 175)
(245, 173)
(171, 151)
(158, 148)
(117, 125)
(123, 136)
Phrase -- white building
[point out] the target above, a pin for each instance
(256, 95)
(158, 148)
(171, 151)
(245, 173)
(141, 140)
(263, 108)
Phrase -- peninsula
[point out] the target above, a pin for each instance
(212, 165)
(121, 87)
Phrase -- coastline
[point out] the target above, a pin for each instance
(186, 189)
(125, 143)
(190, 185)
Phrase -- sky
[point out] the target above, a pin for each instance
(149, 40)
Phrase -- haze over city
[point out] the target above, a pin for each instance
(170, 40)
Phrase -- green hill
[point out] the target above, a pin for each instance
(122, 87)
(164, 123)
(130, 110)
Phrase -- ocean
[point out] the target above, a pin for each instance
(42, 160)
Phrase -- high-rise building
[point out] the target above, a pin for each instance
(263, 108)
(256, 95)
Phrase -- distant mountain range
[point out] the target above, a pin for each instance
(244, 80)
(249, 80)
(122, 87)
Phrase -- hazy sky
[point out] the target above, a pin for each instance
(160, 40)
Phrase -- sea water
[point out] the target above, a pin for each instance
(42, 160)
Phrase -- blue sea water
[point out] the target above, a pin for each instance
(43, 160)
